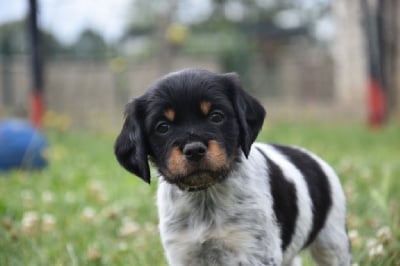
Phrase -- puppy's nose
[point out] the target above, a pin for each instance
(194, 151)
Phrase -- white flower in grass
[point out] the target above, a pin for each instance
(355, 239)
(112, 212)
(88, 214)
(128, 228)
(150, 228)
(93, 254)
(29, 222)
(353, 234)
(371, 243)
(47, 197)
(384, 234)
(375, 248)
(48, 222)
(95, 187)
(96, 190)
(376, 251)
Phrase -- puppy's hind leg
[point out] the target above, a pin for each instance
(331, 247)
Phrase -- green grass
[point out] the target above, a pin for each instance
(86, 210)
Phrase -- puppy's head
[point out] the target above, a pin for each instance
(192, 124)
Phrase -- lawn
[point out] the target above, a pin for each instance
(86, 210)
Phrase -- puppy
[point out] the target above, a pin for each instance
(223, 199)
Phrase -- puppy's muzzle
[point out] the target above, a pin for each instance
(194, 151)
(196, 165)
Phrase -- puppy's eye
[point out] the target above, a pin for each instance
(162, 127)
(216, 117)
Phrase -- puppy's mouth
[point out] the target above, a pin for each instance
(198, 180)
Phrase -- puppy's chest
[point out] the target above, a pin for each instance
(213, 242)
(204, 226)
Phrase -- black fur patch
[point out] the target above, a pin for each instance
(317, 183)
(284, 201)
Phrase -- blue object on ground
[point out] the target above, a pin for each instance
(21, 146)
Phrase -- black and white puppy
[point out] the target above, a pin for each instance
(222, 199)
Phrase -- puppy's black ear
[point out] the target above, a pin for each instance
(250, 113)
(130, 147)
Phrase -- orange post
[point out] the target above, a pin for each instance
(36, 99)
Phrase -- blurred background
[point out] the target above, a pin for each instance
(327, 71)
(305, 60)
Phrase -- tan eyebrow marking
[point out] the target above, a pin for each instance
(170, 114)
(205, 107)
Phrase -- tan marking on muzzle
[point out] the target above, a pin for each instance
(216, 155)
(176, 162)
(215, 160)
